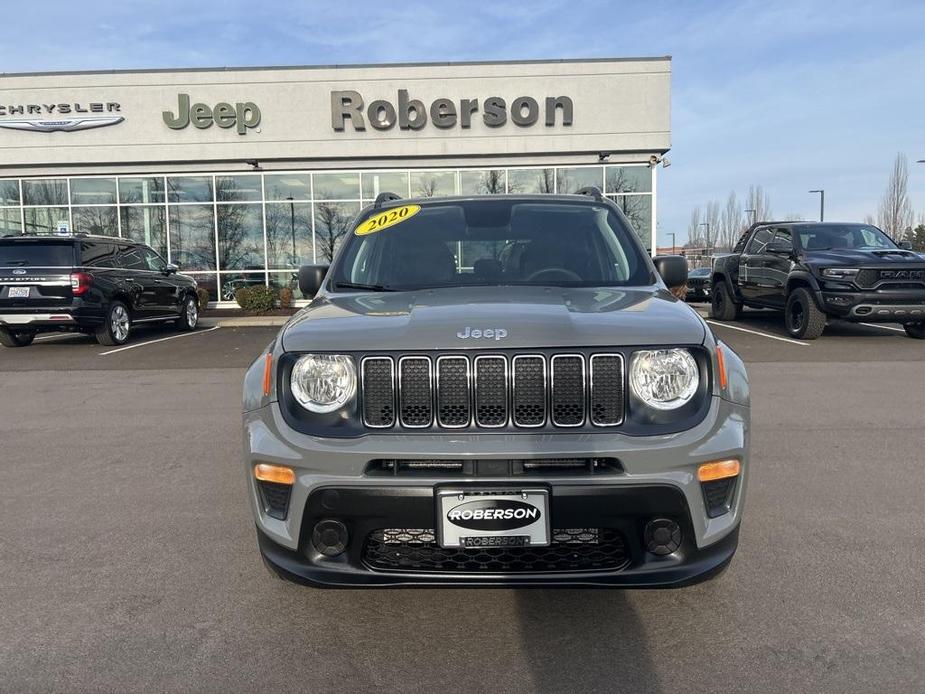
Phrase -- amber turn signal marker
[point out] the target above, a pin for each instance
(718, 470)
(268, 375)
(721, 367)
(274, 473)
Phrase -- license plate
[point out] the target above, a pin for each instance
(493, 518)
(18, 293)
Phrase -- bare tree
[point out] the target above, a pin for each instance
(492, 181)
(760, 202)
(428, 187)
(711, 218)
(331, 224)
(546, 181)
(694, 230)
(895, 215)
(869, 219)
(731, 224)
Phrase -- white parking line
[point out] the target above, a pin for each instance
(755, 332)
(884, 327)
(163, 339)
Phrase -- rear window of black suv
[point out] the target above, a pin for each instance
(36, 253)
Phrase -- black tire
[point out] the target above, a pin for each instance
(118, 325)
(189, 313)
(802, 317)
(915, 330)
(13, 339)
(722, 306)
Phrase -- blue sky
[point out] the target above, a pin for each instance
(790, 95)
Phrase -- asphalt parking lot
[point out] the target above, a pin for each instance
(128, 559)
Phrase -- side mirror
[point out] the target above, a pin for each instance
(779, 248)
(171, 268)
(672, 268)
(905, 245)
(310, 279)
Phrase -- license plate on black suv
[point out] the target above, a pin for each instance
(493, 518)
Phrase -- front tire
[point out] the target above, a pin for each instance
(189, 314)
(802, 317)
(9, 338)
(722, 307)
(118, 326)
(915, 330)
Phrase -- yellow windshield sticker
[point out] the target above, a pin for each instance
(387, 219)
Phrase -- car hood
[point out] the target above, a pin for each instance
(530, 317)
(848, 256)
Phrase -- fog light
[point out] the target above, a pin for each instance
(662, 536)
(330, 537)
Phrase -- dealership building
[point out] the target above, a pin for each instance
(241, 175)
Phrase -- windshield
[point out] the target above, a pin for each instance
(824, 237)
(40, 254)
(492, 242)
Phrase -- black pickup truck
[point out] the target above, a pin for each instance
(816, 271)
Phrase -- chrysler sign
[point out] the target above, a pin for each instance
(65, 117)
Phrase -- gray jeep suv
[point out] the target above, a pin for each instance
(496, 391)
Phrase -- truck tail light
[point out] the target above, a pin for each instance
(80, 283)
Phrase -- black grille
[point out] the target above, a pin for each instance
(378, 392)
(869, 278)
(415, 389)
(718, 496)
(490, 391)
(492, 467)
(453, 392)
(572, 549)
(275, 498)
(606, 389)
(529, 386)
(568, 390)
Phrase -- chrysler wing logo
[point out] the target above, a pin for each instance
(48, 125)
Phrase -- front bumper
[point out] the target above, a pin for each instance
(658, 478)
(894, 306)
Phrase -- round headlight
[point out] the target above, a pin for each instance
(323, 382)
(664, 379)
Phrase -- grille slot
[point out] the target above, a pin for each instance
(415, 390)
(378, 378)
(491, 408)
(494, 467)
(567, 385)
(453, 408)
(571, 549)
(529, 390)
(606, 390)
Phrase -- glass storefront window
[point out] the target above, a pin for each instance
(189, 188)
(286, 186)
(240, 237)
(192, 237)
(102, 221)
(333, 220)
(9, 192)
(141, 190)
(337, 186)
(229, 283)
(289, 235)
(482, 182)
(206, 280)
(433, 184)
(531, 180)
(47, 191)
(147, 225)
(44, 220)
(93, 191)
(10, 221)
(573, 180)
(238, 188)
(385, 182)
(628, 179)
(638, 210)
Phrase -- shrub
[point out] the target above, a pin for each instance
(256, 299)
(285, 297)
(203, 295)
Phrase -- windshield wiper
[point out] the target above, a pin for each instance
(366, 287)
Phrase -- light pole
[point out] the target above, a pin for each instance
(672, 235)
(821, 203)
(753, 214)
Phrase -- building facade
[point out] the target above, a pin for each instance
(240, 176)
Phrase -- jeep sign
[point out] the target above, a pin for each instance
(242, 116)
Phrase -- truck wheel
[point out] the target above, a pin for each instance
(118, 325)
(802, 317)
(916, 330)
(723, 307)
(189, 314)
(11, 339)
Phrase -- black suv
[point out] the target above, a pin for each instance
(91, 284)
(815, 271)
